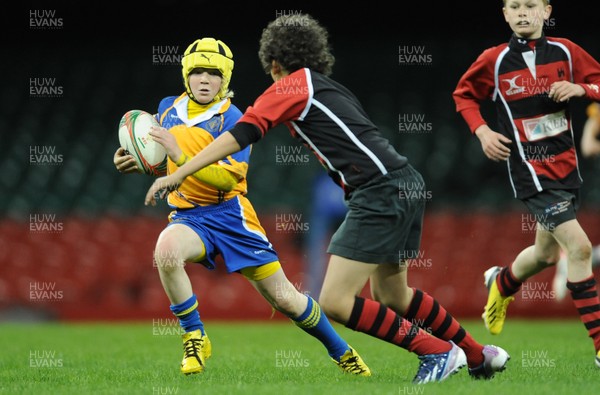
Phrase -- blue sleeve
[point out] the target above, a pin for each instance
(164, 105)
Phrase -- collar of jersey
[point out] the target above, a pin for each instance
(523, 44)
(181, 107)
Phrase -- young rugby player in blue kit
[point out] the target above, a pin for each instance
(213, 217)
(379, 227)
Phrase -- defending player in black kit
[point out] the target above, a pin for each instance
(382, 225)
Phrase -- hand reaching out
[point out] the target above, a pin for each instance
(161, 188)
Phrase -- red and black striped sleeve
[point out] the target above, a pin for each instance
(475, 85)
(586, 71)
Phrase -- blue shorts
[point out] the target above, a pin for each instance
(230, 229)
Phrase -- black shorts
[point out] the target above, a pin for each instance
(553, 207)
(384, 219)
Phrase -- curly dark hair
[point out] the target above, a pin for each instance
(296, 41)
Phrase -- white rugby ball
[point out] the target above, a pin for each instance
(151, 157)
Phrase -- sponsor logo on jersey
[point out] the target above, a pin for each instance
(513, 88)
(547, 126)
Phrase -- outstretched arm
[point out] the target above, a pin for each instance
(220, 148)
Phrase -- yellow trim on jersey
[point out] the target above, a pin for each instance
(257, 273)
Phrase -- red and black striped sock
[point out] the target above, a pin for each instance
(507, 283)
(375, 319)
(425, 312)
(585, 298)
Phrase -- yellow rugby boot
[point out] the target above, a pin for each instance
(351, 362)
(495, 310)
(196, 350)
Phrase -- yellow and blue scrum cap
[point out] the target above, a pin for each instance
(210, 54)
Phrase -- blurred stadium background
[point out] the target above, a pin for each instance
(76, 241)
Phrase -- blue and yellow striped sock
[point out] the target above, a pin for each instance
(314, 322)
(189, 317)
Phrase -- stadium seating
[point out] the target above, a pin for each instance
(104, 270)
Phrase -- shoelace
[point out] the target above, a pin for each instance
(192, 347)
(352, 364)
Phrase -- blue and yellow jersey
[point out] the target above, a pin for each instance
(194, 128)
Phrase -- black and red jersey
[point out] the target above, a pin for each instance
(328, 119)
(517, 76)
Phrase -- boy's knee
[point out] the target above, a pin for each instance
(334, 306)
(581, 251)
(167, 256)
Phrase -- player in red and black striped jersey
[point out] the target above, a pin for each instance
(532, 79)
(382, 228)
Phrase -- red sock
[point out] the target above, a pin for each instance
(585, 298)
(507, 283)
(428, 314)
(375, 319)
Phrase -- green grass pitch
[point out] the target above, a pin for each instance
(547, 357)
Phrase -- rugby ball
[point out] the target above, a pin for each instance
(134, 129)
